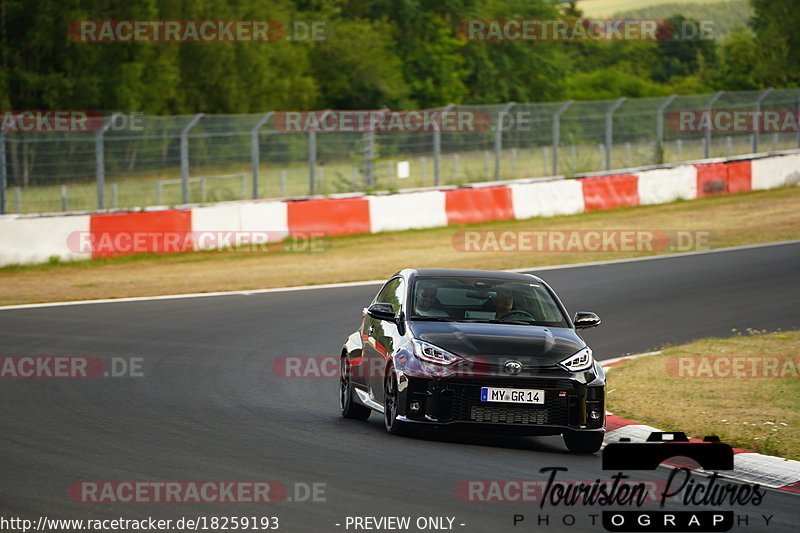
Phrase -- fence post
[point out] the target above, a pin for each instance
(312, 155)
(437, 147)
(369, 159)
(312, 160)
(798, 114)
(437, 153)
(610, 129)
(756, 115)
(498, 139)
(100, 167)
(3, 180)
(369, 154)
(185, 157)
(64, 198)
(709, 105)
(100, 162)
(557, 133)
(255, 153)
(660, 126)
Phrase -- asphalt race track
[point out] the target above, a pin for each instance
(209, 407)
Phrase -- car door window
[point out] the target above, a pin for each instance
(392, 293)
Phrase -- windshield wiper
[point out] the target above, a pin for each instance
(434, 318)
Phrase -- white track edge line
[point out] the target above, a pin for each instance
(653, 257)
(605, 362)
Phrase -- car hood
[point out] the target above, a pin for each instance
(493, 343)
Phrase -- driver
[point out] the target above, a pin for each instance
(427, 303)
(503, 302)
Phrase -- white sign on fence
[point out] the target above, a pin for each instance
(403, 169)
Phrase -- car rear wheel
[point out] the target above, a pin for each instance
(390, 404)
(583, 442)
(349, 408)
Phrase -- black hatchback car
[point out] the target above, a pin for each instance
(493, 350)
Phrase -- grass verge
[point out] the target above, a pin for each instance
(754, 413)
(748, 218)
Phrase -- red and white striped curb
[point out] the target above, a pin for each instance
(750, 467)
(32, 239)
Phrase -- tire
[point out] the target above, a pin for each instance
(583, 442)
(393, 426)
(348, 407)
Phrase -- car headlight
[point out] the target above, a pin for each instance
(579, 361)
(433, 354)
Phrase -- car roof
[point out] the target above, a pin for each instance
(467, 273)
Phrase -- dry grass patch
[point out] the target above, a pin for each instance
(755, 413)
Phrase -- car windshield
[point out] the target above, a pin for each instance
(484, 300)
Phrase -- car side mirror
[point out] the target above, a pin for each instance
(585, 319)
(382, 311)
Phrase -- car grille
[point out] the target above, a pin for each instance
(467, 406)
(509, 415)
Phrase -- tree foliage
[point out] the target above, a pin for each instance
(380, 53)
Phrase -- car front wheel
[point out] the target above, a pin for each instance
(583, 442)
(390, 404)
(349, 408)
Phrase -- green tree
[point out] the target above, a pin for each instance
(429, 51)
(738, 66)
(611, 83)
(45, 68)
(242, 77)
(683, 49)
(349, 78)
(522, 71)
(775, 25)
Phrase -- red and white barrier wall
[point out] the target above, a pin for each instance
(25, 239)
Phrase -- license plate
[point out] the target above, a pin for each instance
(507, 395)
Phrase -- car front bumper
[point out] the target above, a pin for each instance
(569, 404)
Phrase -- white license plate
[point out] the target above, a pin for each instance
(507, 395)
